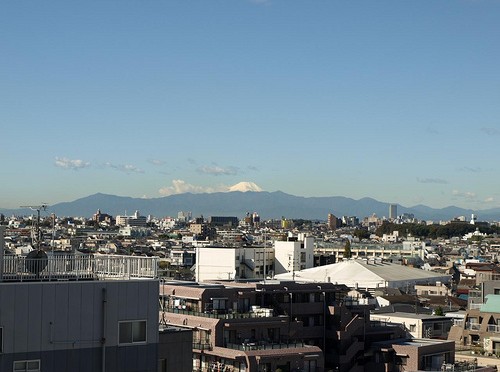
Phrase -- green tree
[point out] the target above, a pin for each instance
(362, 234)
(438, 311)
(347, 249)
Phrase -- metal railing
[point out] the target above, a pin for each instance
(198, 345)
(71, 267)
(473, 326)
(214, 313)
(265, 345)
(475, 306)
(493, 328)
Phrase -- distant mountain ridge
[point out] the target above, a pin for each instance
(269, 205)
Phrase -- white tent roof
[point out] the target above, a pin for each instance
(366, 274)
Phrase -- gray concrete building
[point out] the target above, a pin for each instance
(78, 313)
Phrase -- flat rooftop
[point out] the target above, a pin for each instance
(19, 268)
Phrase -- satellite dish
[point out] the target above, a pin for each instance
(36, 262)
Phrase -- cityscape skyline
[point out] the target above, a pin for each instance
(397, 101)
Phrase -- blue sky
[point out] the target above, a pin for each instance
(395, 100)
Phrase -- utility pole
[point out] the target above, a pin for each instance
(36, 233)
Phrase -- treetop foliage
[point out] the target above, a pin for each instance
(434, 231)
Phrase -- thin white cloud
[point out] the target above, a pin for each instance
(489, 200)
(157, 162)
(73, 164)
(466, 195)
(215, 170)
(181, 187)
(126, 168)
(432, 180)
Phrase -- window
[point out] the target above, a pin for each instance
(302, 257)
(27, 366)
(438, 327)
(219, 303)
(131, 332)
(310, 366)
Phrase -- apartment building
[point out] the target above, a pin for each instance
(228, 263)
(262, 326)
(135, 220)
(412, 355)
(438, 289)
(418, 325)
(231, 332)
(78, 313)
(480, 327)
(294, 254)
(84, 325)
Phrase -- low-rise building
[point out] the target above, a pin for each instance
(418, 325)
(438, 289)
(228, 263)
(480, 327)
(411, 355)
(294, 254)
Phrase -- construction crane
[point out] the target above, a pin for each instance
(36, 233)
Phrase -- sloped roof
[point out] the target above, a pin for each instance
(356, 272)
(492, 304)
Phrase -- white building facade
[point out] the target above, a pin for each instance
(293, 255)
(229, 263)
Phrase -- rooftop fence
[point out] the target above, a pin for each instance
(76, 267)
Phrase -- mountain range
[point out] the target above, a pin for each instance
(269, 205)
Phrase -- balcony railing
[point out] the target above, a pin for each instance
(265, 345)
(197, 345)
(473, 326)
(217, 314)
(71, 267)
(475, 306)
(493, 328)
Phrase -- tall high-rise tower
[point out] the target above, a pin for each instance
(393, 211)
(332, 221)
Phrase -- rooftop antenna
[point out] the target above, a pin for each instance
(36, 260)
(36, 233)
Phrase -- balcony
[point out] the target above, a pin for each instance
(493, 328)
(260, 345)
(475, 306)
(473, 326)
(72, 267)
(197, 345)
(217, 314)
